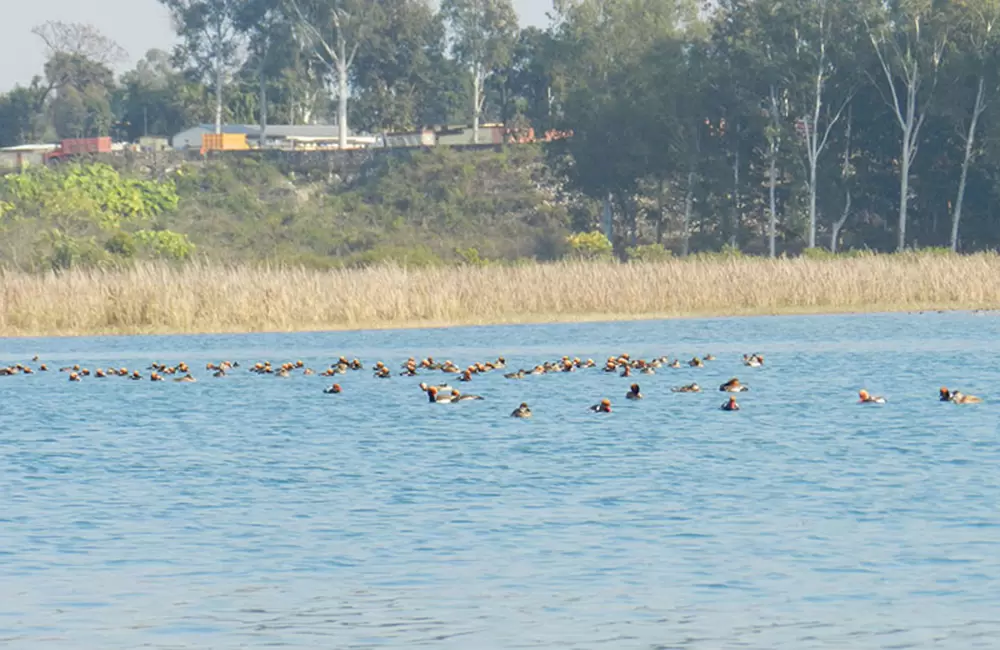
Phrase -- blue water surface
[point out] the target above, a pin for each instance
(254, 511)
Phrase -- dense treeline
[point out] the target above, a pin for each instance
(767, 126)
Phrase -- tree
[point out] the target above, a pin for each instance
(21, 113)
(909, 41)
(397, 66)
(978, 42)
(484, 33)
(79, 40)
(212, 45)
(335, 30)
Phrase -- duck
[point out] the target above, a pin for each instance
(753, 360)
(515, 375)
(733, 386)
(521, 411)
(466, 376)
(135, 376)
(155, 377)
(648, 370)
(332, 390)
(603, 407)
(186, 379)
(696, 363)
(435, 397)
(731, 405)
(690, 388)
(709, 357)
(627, 372)
(958, 397)
(866, 398)
(99, 374)
(74, 376)
(43, 368)
(676, 363)
(459, 397)
(633, 392)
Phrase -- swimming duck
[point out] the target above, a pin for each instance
(753, 360)
(696, 363)
(466, 376)
(676, 363)
(866, 398)
(219, 373)
(521, 411)
(74, 377)
(135, 376)
(731, 405)
(459, 397)
(283, 373)
(958, 397)
(435, 397)
(186, 379)
(690, 388)
(648, 370)
(709, 357)
(733, 386)
(627, 372)
(515, 375)
(383, 373)
(633, 392)
(308, 372)
(332, 390)
(99, 374)
(34, 359)
(155, 377)
(43, 368)
(603, 407)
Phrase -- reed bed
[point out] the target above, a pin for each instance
(201, 298)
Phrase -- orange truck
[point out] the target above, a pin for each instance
(79, 147)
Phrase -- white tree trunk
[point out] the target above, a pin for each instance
(845, 173)
(342, 70)
(219, 73)
(477, 102)
(970, 138)
(263, 104)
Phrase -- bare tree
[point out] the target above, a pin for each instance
(909, 48)
(335, 29)
(79, 39)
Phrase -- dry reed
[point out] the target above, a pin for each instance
(199, 298)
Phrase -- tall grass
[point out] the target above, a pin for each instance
(158, 298)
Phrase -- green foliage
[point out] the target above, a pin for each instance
(818, 254)
(165, 244)
(590, 246)
(470, 257)
(648, 253)
(121, 244)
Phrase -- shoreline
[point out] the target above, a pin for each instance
(527, 321)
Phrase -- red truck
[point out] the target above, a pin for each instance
(79, 146)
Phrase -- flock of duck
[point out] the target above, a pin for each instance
(624, 365)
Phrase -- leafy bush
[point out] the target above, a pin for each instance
(121, 244)
(165, 244)
(590, 246)
(648, 253)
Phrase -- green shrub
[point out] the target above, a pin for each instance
(590, 246)
(648, 253)
(121, 244)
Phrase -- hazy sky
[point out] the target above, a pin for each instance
(137, 25)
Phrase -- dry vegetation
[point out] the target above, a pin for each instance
(197, 298)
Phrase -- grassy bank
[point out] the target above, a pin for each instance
(197, 298)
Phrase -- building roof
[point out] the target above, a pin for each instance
(279, 130)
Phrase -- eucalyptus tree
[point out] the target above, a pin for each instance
(909, 40)
(825, 78)
(484, 33)
(335, 31)
(211, 41)
(978, 47)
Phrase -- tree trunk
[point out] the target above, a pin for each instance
(477, 89)
(772, 201)
(342, 97)
(263, 104)
(218, 94)
(904, 189)
(812, 200)
(970, 137)
(845, 172)
(688, 207)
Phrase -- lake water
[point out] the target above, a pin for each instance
(253, 511)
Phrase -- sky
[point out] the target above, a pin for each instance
(137, 25)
